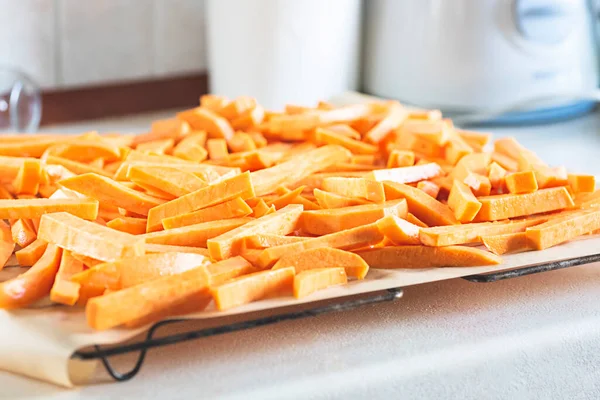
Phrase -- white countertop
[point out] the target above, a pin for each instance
(535, 337)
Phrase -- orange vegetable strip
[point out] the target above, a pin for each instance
(236, 107)
(306, 203)
(327, 136)
(5, 194)
(281, 222)
(234, 208)
(228, 189)
(308, 282)
(203, 119)
(356, 187)
(88, 238)
(521, 182)
(431, 115)
(213, 102)
(198, 169)
(133, 271)
(334, 200)
(33, 148)
(249, 119)
(217, 149)
(241, 142)
(401, 158)
(96, 163)
(23, 233)
(323, 222)
(475, 139)
(10, 166)
(63, 290)
(294, 170)
(509, 146)
(156, 146)
(74, 166)
(397, 114)
(479, 184)
(462, 202)
(505, 162)
(472, 233)
(406, 174)
(429, 187)
(87, 261)
(35, 208)
(286, 199)
(170, 180)
(248, 288)
(427, 257)
(345, 130)
(28, 178)
(7, 245)
(84, 150)
(416, 221)
(476, 163)
(32, 285)
(324, 257)
(547, 177)
(111, 192)
(361, 236)
(499, 207)
(194, 235)
(423, 206)
(560, 230)
(252, 255)
(364, 159)
(497, 176)
(582, 183)
(29, 255)
(315, 181)
(263, 240)
(231, 268)
(260, 209)
(398, 230)
(165, 248)
(135, 226)
(148, 301)
(163, 129)
(507, 243)
(192, 148)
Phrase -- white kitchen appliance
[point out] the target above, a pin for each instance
(535, 58)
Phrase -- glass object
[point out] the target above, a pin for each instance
(20, 102)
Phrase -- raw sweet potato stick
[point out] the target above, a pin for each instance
(88, 238)
(427, 257)
(110, 192)
(237, 186)
(230, 243)
(310, 281)
(325, 257)
(323, 222)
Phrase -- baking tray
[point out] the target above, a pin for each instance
(391, 294)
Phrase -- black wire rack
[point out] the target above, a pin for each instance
(150, 342)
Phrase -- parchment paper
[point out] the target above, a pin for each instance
(39, 342)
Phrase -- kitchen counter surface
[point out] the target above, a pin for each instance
(536, 337)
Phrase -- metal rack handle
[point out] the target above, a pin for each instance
(151, 342)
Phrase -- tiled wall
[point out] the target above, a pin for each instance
(74, 43)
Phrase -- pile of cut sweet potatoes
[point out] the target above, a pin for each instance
(231, 203)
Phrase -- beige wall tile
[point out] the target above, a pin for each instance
(27, 38)
(105, 41)
(179, 37)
